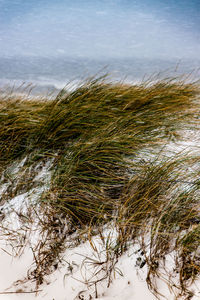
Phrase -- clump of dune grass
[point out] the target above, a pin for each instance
(95, 137)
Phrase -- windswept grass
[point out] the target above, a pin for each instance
(95, 137)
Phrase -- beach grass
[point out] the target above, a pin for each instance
(106, 143)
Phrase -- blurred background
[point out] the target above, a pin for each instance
(50, 43)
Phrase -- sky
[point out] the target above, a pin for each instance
(165, 29)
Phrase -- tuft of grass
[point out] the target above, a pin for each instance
(102, 140)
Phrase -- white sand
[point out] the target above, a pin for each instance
(65, 285)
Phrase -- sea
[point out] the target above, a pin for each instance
(48, 75)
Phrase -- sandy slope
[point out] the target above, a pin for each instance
(66, 283)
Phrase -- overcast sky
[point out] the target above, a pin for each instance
(100, 28)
